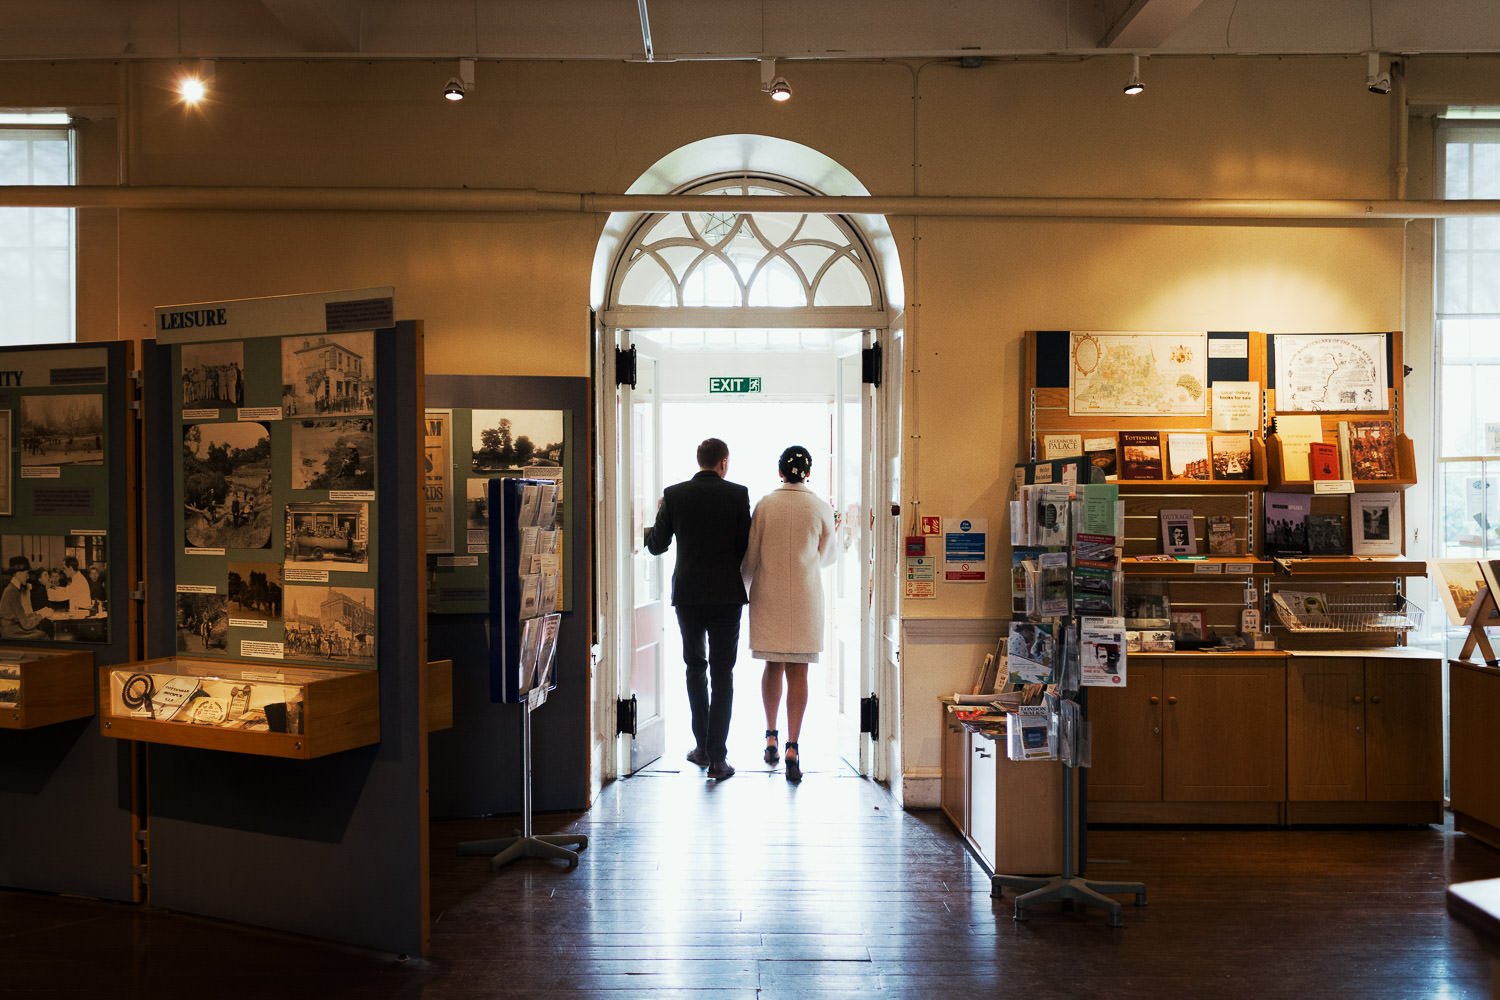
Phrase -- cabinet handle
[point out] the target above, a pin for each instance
(1374, 699)
(1359, 729)
(1156, 731)
(981, 753)
(1358, 699)
(1155, 700)
(1171, 699)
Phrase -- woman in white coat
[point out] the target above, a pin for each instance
(791, 538)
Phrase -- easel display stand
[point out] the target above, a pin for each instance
(1481, 613)
(1068, 886)
(527, 844)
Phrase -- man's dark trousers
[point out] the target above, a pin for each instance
(717, 625)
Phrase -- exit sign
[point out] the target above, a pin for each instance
(744, 384)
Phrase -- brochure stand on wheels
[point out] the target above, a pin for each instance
(523, 642)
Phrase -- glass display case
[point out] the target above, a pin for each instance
(40, 687)
(271, 709)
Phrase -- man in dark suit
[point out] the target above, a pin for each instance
(710, 517)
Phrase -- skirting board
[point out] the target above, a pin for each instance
(922, 788)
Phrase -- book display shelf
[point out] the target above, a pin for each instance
(1286, 599)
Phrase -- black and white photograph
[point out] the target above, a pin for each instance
(512, 440)
(326, 374)
(476, 504)
(332, 535)
(255, 591)
(226, 485)
(62, 429)
(335, 624)
(333, 454)
(1325, 535)
(57, 587)
(202, 623)
(213, 375)
(1375, 524)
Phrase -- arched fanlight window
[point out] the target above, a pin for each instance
(747, 260)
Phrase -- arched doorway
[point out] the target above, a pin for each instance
(721, 287)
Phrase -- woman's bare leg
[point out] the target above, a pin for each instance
(796, 698)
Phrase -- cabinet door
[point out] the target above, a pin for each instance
(1126, 727)
(1325, 738)
(982, 796)
(1404, 737)
(955, 782)
(1224, 730)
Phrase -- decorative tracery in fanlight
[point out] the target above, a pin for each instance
(743, 260)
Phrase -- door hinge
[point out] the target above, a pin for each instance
(625, 716)
(869, 365)
(625, 366)
(869, 716)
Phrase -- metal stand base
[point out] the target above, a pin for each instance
(551, 846)
(1071, 888)
(1068, 887)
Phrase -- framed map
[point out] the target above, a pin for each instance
(1316, 372)
(1129, 374)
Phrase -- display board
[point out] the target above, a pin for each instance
(67, 497)
(335, 846)
(466, 448)
(476, 763)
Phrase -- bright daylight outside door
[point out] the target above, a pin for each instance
(852, 445)
(641, 669)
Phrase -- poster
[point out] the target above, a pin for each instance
(437, 483)
(1123, 374)
(965, 558)
(1317, 372)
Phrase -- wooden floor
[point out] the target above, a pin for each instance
(757, 889)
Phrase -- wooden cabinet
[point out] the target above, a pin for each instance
(1364, 737)
(41, 687)
(1474, 719)
(1009, 812)
(1191, 739)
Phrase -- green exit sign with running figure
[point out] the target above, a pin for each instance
(746, 384)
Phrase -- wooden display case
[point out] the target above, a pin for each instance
(251, 707)
(49, 687)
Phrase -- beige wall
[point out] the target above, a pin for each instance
(509, 293)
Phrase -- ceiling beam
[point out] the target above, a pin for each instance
(1143, 24)
(319, 25)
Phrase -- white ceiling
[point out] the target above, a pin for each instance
(733, 29)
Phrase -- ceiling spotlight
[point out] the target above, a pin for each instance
(1376, 81)
(1134, 85)
(458, 87)
(770, 83)
(192, 84)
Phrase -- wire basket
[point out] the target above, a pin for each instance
(1351, 613)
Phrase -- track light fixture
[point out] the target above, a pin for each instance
(458, 87)
(770, 83)
(1134, 85)
(192, 83)
(1376, 81)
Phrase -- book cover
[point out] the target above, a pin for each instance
(1231, 457)
(1325, 535)
(1178, 537)
(1221, 540)
(1286, 523)
(1140, 455)
(1372, 449)
(1187, 454)
(1061, 446)
(1295, 432)
(1375, 524)
(1323, 460)
(1102, 649)
(1101, 455)
(1189, 625)
(1030, 653)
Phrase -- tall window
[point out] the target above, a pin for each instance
(36, 244)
